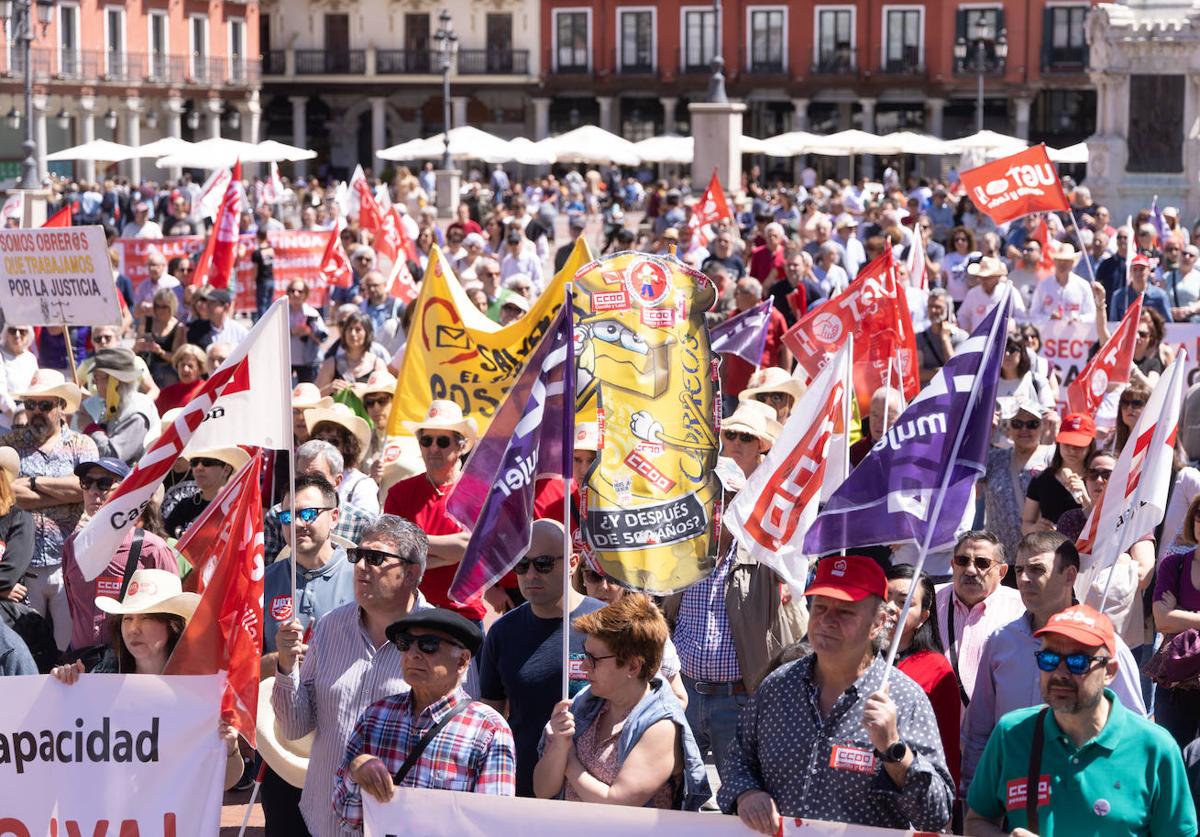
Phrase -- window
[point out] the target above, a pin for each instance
(973, 26)
(237, 49)
(114, 42)
(637, 40)
(902, 44)
(159, 45)
(572, 41)
(835, 40)
(1063, 44)
(198, 42)
(68, 40)
(767, 40)
(699, 39)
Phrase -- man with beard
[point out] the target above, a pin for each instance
(1098, 768)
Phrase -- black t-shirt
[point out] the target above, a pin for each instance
(521, 661)
(184, 514)
(1050, 495)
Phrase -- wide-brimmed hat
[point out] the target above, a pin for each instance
(10, 462)
(587, 436)
(152, 591)
(516, 300)
(342, 416)
(772, 379)
(50, 383)
(755, 418)
(287, 758)
(377, 383)
(306, 396)
(445, 415)
(1065, 252)
(235, 457)
(119, 363)
(987, 268)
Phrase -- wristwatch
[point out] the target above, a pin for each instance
(895, 753)
(33, 485)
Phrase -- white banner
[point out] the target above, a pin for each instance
(57, 276)
(437, 813)
(128, 754)
(1066, 346)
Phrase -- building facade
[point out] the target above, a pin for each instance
(132, 72)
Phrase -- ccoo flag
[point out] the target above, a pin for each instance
(744, 335)
(531, 436)
(941, 440)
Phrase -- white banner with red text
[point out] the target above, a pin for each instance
(1066, 346)
(111, 754)
(438, 813)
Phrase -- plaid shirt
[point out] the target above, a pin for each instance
(351, 522)
(703, 636)
(473, 753)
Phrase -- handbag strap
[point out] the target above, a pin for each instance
(1035, 770)
(962, 692)
(135, 552)
(415, 753)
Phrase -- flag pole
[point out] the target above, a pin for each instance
(847, 412)
(1083, 255)
(568, 452)
(887, 388)
(931, 521)
(291, 452)
(258, 780)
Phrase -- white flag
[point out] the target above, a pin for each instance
(14, 207)
(272, 187)
(772, 514)
(213, 192)
(247, 401)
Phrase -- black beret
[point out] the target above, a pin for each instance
(448, 622)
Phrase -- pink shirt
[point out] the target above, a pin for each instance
(972, 626)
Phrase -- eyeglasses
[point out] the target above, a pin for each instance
(380, 401)
(734, 436)
(18, 332)
(1027, 424)
(41, 406)
(982, 564)
(308, 515)
(373, 557)
(544, 564)
(443, 442)
(594, 658)
(363, 259)
(1143, 333)
(773, 397)
(426, 643)
(1100, 473)
(1049, 661)
(205, 462)
(1135, 403)
(1012, 349)
(101, 484)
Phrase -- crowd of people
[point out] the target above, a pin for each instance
(1017, 703)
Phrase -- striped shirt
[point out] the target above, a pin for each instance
(703, 636)
(343, 673)
(474, 752)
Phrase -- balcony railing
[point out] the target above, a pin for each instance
(572, 69)
(902, 67)
(406, 61)
(835, 62)
(1065, 59)
(321, 62)
(767, 65)
(505, 62)
(131, 67)
(274, 63)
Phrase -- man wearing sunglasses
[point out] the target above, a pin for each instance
(1098, 768)
(1046, 566)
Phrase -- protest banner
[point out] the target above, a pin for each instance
(443, 813)
(455, 353)
(57, 277)
(112, 754)
(645, 364)
(1110, 365)
(1017, 185)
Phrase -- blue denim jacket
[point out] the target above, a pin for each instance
(660, 703)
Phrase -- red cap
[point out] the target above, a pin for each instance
(850, 579)
(1082, 624)
(1077, 429)
(1142, 259)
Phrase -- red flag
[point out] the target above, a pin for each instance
(382, 225)
(1041, 234)
(875, 309)
(335, 264)
(217, 262)
(225, 633)
(713, 207)
(62, 218)
(394, 221)
(1018, 185)
(401, 284)
(1109, 365)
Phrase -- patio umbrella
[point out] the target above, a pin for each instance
(466, 143)
(669, 148)
(989, 142)
(790, 144)
(753, 145)
(530, 153)
(852, 142)
(910, 142)
(1077, 153)
(590, 144)
(163, 147)
(96, 150)
(213, 153)
(270, 151)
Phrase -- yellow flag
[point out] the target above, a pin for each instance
(455, 353)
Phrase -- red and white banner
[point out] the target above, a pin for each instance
(111, 754)
(713, 207)
(1110, 365)
(213, 192)
(247, 401)
(444, 813)
(219, 258)
(774, 512)
(225, 545)
(1018, 185)
(335, 264)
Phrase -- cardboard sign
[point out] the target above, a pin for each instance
(57, 277)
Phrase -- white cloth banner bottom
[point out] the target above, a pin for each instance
(437, 813)
(112, 754)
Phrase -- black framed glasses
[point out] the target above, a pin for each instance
(443, 442)
(1100, 473)
(595, 658)
(99, 483)
(982, 564)
(734, 436)
(1077, 664)
(378, 401)
(205, 462)
(544, 564)
(307, 515)
(426, 643)
(40, 406)
(373, 557)
(1135, 403)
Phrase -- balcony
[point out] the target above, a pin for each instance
(100, 66)
(274, 63)
(497, 62)
(320, 62)
(572, 69)
(902, 67)
(407, 62)
(767, 66)
(1065, 59)
(834, 63)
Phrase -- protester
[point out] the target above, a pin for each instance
(18, 365)
(16, 530)
(124, 416)
(341, 427)
(376, 395)
(211, 469)
(353, 361)
(748, 433)
(15, 659)
(188, 363)
(157, 337)
(776, 388)
(936, 344)
(1060, 487)
(307, 329)
(884, 410)
(1176, 609)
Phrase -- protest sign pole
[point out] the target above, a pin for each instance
(931, 522)
(291, 455)
(887, 388)
(1083, 255)
(258, 780)
(847, 412)
(568, 458)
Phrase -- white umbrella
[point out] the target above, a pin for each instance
(213, 153)
(270, 151)
(590, 144)
(910, 142)
(988, 142)
(852, 141)
(790, 144)
(530, 153)
(669, 148)
(97, 151)
(1077, 153)
(163, 147)
(753, 145)
(466, 143)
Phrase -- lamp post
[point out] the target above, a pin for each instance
(973, 55)
(447, 47)
(18, 15)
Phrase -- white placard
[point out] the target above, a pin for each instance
(57, 276)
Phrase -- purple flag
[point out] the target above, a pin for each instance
(1160, 223)
(530, 437)
(744, 335)
(939, 443)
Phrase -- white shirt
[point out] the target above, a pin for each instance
(978, 303)
(1072, 301)
(150, 229)
(232, 332)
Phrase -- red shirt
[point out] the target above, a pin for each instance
(177, 394)
(762, 260)
(735, 372)
(419, 500)
(932, 672)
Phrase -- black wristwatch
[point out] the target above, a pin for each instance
(895, 753)
(33, 485)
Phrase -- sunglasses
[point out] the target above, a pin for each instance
(308, 515)
(373, 557)
(426, 643)
(734, 436)
(443, 442)
(1025, 424)
(981, 564)
(595, 658)
(542, 563)
(205, 462)
(773, 397)
(1049, 661)
(381, 401)
(40, 406)
(99, 483)
(18, 332)
(1100, 473)
(1135, 403)
(1012, 349)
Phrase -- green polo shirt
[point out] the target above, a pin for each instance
(1129, 779)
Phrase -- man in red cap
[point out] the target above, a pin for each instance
(823, 738)
(1099, 768)
(1139, 283)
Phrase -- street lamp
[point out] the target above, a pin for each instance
(18, 16)
(110, 119)
(447, 48)
(973, 55)
(63, 119)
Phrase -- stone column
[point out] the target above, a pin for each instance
(799, 114)
(458, 110)
(251, 113)
(717, 128)
(39, 134)
(868, 114)
(845, 116)
(668, 105)
(215, 108)
(133, 136)
(87, 132)
(934, 114)
(299, 130)
(378, 123)
(175, 108)
(606, 106)
(541, 119)
(1023, 104)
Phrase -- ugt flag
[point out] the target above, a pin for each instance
(530, 437)
(1110, 365)
(744, 335)
(1017, 185)
(216, 263)
(940, 441)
